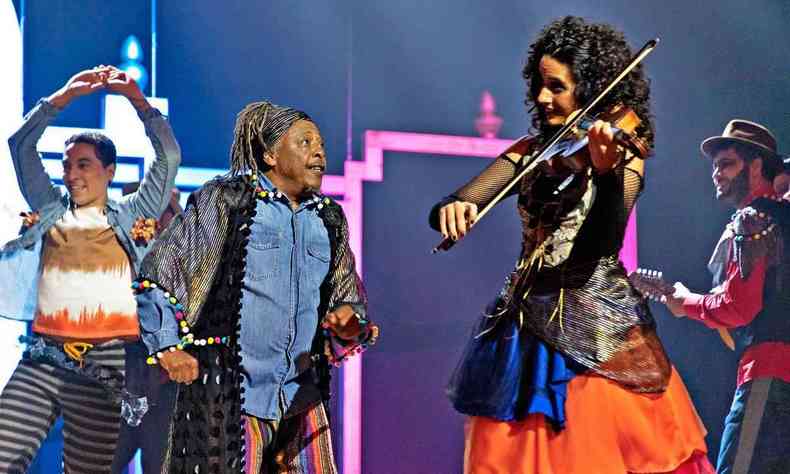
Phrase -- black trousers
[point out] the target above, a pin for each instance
(151, 435)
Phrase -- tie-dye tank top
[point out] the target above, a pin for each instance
(84, 289)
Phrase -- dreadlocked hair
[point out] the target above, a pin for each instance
(595, 53)
(246, 153)
(259, 127)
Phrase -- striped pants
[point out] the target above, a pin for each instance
(756, 437)
(301, 444)
(38, 393)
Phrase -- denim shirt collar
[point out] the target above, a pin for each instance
(111, 204)
(315, 200)
(265, 183)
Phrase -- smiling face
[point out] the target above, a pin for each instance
(85, 176)
(731, 176)
(298, 161)
(555, 96)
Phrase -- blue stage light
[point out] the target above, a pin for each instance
(131, 57)
(137, 72)
(131, 49)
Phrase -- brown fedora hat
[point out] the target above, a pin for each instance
(742, 131)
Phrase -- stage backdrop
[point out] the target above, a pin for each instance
(420, 67)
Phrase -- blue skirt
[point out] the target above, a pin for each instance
(507, 373)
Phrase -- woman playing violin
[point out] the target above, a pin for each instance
(565, 372)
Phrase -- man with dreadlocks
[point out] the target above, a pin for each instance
(248, 297)
(566, 373)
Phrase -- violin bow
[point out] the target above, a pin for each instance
(536, 158)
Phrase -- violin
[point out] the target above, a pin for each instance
(624, 121)
(572, 155)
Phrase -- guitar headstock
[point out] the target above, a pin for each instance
(650, 283)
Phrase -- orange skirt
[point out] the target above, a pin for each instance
(609, 429)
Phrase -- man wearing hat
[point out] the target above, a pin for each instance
(247, 298)
(751, 271)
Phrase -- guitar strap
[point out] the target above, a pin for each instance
(718, 267)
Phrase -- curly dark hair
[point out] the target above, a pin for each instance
(595, 54)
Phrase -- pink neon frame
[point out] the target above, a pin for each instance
(350, 187)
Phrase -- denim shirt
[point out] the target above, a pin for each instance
(20, 258)
(287, 260)
(288, 257)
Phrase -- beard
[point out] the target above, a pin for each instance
(736, 190)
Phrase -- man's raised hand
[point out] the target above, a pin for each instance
(83, 83)
(120, 82)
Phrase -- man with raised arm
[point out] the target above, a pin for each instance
(69, 272)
